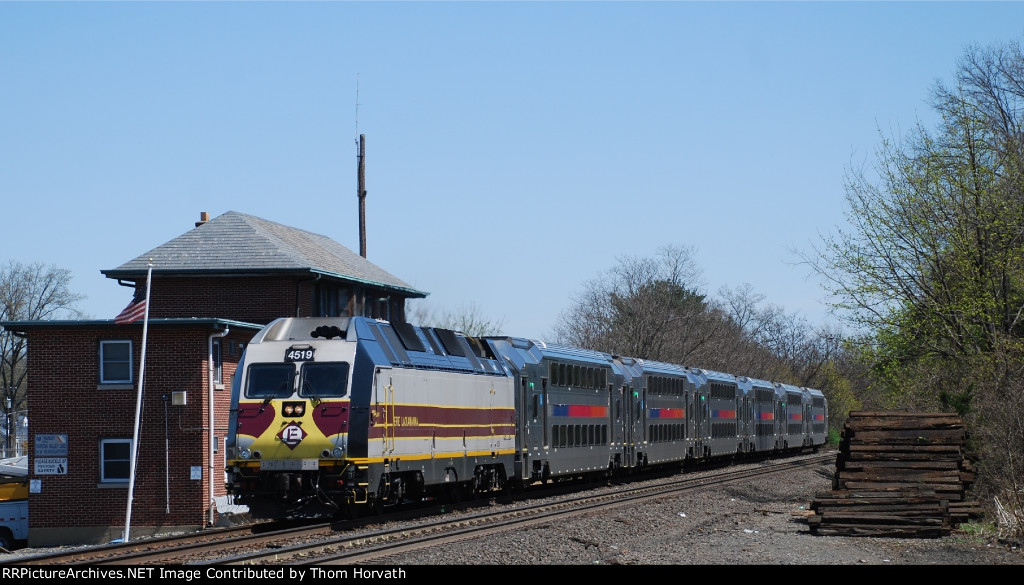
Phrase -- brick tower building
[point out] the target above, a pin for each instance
(211, 290)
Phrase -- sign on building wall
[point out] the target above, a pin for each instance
(51, 455)
(51, 446)
(51, 466)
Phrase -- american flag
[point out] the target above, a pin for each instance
(134, 311)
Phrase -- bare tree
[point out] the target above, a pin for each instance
(785, 345)
(775, 345)
(31, 292)
(742, 345)
(644, 307)
(468, 318)
(654, 309)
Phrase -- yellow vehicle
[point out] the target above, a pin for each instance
(13, 502)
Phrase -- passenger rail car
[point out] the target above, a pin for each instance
(761, 427)
(805, 415)
(333, 415)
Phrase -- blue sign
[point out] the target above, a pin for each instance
(51, 446)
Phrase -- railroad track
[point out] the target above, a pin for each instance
(332, 543)
(374, 546)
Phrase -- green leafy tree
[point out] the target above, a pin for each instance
(931, 268)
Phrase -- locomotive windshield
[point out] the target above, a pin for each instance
(270, 381)
(324, 379)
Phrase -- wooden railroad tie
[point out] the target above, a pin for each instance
(897, 474)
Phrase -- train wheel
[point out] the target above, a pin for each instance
(453, 493)
(375, 506)
(347, 511)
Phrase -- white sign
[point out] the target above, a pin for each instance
(35, 486)
(197, 472)
(51, 465)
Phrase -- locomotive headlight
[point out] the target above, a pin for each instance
(245, 454)
(338, 452)
(295, 408)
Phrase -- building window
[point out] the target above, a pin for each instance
(218, 371)
(116, 361)
(331, 300)
(115, 460)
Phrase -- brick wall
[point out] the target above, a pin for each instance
(249, 299)
(64, 398)
(174, 440)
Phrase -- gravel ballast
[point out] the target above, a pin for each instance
(753, 522)
(762, 521)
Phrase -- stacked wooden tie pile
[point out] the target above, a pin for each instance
(897, 474)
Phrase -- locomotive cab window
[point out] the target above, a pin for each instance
(270, 381)
(324, 379)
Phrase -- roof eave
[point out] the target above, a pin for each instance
(212, 323)
(136, 275)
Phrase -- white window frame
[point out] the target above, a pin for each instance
(104, 343)
(103, 461)
(218, 362)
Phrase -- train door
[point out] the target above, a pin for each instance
(743, 414)
(641, 420)
(780, 424)
(617, 438)
(629, 440)
(691, 422)
(546, 443)
(751, 422)
(807, 421)
(702, 415)
(525, 410)
(382, 414)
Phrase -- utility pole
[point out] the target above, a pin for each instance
(361, 192)
(9, 446)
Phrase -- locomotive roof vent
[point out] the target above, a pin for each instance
(328, 332)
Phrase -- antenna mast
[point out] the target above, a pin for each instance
(361, 178)
(362, 195)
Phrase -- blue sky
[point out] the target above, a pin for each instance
(514, 150)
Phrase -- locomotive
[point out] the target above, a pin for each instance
(342, 415)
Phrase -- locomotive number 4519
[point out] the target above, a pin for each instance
(294, 354)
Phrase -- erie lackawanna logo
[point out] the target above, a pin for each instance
(292, 434)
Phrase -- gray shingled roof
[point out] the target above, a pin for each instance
(236, 243)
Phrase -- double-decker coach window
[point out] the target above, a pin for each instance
(270, 381)
(324, 379)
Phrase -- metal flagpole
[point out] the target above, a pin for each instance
(138, 409)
